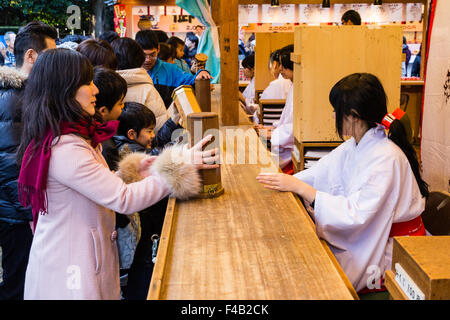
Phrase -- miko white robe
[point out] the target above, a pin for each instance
(282, 140)
(361, 190)
(249, 92)
(277, 89)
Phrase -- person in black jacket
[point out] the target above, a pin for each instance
(407, 52)
(15, 230)
(135, 134)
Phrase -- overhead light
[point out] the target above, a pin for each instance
(377, 2)
(274, 3)
(325, 3)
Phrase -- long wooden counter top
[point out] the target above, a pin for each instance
(249, 243)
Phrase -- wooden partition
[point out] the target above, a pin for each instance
(266, 43)
(323, 55)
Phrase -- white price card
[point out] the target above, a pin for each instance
(408, 286)
(296, 153)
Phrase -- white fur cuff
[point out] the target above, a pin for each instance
(174, 164)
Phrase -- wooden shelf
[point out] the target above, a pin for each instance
(412, 82)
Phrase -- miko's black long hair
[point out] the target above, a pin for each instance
(49, 97)
(362, 95)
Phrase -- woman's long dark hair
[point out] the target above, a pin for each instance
(49, 97)
(362, 95)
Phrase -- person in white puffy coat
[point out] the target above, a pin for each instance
(140, 85)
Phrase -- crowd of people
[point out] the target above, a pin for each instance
(86, 162)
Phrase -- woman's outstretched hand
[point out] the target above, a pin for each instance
(204, 159)
(145, 165)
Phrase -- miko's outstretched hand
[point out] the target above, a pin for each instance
(285, 182)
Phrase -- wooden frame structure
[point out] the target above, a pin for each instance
(225, 14)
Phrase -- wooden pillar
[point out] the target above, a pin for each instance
(424, 39)
(225, 15)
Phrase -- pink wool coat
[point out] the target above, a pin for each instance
(74, 252)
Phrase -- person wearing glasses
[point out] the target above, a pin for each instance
(165, 76)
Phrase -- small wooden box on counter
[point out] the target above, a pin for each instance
(421, 263)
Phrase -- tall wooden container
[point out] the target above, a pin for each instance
(325, 54)
(203, 94)
(198, 123)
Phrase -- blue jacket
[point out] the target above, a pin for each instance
(167, 76)
(11, 86)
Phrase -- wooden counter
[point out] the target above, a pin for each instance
(249, 243)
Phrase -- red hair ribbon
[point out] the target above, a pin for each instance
(390, 117)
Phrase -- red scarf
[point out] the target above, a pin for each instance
(33, 175)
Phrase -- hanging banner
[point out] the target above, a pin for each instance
(139, 10)
(414, 11)
(435, 145)
(378, 14)
(363, 9)
(314, 14)
(157, 11)
(120, 25)
(173, 11)
(338, 11)
(184, 23)
(248, 14)
(394, 12)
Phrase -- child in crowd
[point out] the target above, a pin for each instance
(112, 90)
(179, 61)
(166, 53)
(99, 53)
(135, 134)
(247, 98)
(136, 125)
(67, 183)
(368, 189)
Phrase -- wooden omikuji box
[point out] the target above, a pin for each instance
(420, 268)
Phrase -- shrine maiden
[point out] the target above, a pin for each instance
(278, 88)
(367, 190)
(282, 137)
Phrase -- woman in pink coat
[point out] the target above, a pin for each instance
(66, 180)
